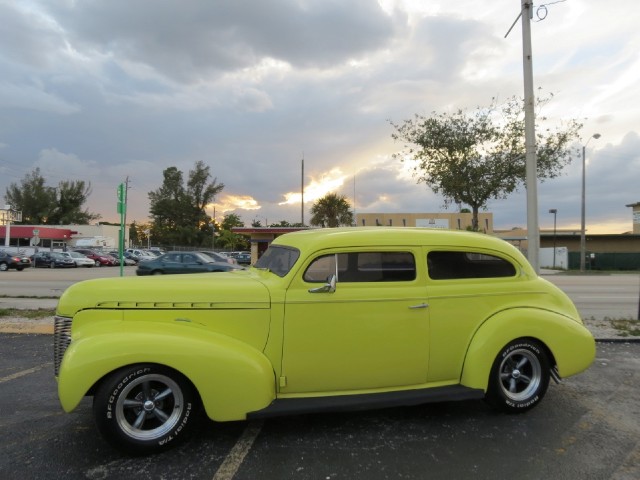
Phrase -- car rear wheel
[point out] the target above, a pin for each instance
(145, 408)
(157, 272)
(52, 265)
(97, 263)
(4, 267)
(519, 377)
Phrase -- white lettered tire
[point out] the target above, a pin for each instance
(145, 408)
(519, 377)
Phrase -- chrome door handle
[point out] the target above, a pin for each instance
(421, 305)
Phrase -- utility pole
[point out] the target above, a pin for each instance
(302, 193)
(126, 193)
(533, 231)
(121, 209)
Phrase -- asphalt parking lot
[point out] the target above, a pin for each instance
(586, 428)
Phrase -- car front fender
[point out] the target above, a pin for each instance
(569, 342)
(232, 378)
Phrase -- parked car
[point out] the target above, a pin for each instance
(140, 255)
(182, 262)
(79, 259)
(12, 261)
(99, 258)
(219, 257)
(243, 258)
(326, 319)
(52, 260)
(127, 258)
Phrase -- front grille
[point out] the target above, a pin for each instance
(61, 340)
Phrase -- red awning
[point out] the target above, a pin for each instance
(47, 233)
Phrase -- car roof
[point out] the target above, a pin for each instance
(320, 238)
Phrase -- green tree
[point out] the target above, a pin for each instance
(232, 241)
(41, 204)
(32, 197)
(70, 197)
(133, 234)
(178, 211)
(471, 158)
(332, 210)
(231, 220)
(166, 207)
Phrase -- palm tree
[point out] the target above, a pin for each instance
(331, 211)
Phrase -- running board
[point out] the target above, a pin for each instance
(366, 401)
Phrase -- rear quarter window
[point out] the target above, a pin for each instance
(443, 265)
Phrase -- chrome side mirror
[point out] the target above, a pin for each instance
(328, 287)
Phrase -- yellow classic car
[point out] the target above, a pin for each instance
(327, 319)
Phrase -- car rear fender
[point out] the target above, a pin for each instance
(570, 344)
(232, 377)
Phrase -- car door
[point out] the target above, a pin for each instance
(371, 332)
(465, 286)
(192, 264)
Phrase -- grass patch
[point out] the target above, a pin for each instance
(20, 313)
(626, 327)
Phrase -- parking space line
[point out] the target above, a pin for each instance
(236, 456)
(25, 372)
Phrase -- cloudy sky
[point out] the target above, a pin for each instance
(102, 90)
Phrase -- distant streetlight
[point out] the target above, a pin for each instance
(583, 240)
(555, 213)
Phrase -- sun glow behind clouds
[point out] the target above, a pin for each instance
(228, 203)
(329, 182)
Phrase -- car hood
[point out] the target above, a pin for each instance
(224, 290)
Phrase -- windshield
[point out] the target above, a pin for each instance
(278, 260)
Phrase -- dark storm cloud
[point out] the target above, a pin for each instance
(189, 40)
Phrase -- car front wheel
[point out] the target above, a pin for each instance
(97, 263)
(52, 265)
(4, 267)
(519, 376)
(145, 408)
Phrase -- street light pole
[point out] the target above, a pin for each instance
(583, 239)
(555, 213)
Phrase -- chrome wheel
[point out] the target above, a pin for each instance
(145, 408)
(149, 407)
(520, 375)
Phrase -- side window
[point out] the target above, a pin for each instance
(172, 257)
(455, 265)
(320, 269)
(363, 267)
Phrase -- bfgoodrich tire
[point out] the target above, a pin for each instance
(519, 377)
(145, 408)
